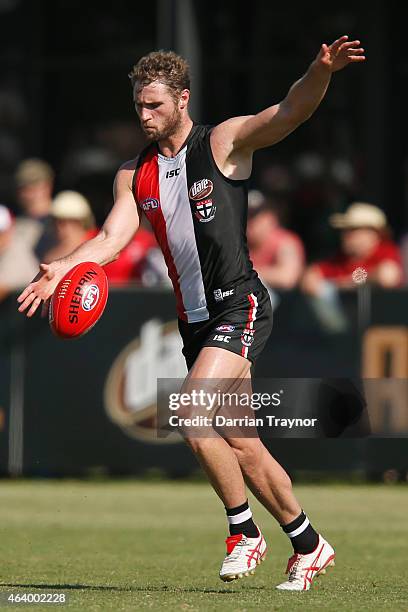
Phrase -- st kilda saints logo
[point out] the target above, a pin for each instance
(205, 210)
(247, 337)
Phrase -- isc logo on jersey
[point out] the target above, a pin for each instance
(173, 173)
(220, 295)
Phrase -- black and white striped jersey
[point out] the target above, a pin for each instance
(199, 218)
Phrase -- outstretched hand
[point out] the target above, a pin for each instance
(39, 290)
(339, 54)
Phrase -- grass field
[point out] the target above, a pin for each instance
(132, 545)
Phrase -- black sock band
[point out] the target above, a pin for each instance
(240, 521)
(302, 535)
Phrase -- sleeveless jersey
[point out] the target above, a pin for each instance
(199, 218)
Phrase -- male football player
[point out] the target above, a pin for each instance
(190, 182)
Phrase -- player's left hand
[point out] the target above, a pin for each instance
(339, 54)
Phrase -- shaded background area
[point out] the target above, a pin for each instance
(88, 406)
(65, 94)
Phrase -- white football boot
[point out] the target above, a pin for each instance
(302, 569)
(243, 555)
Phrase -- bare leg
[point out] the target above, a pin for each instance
(215, 455)
(227, 462)
(219, 462)
(265, 477)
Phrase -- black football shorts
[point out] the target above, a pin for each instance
(240, 323)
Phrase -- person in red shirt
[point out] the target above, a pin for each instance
(130, 265)
(139, 262)
(276, 253)
(367, 253)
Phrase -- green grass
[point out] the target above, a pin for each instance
(158, 546)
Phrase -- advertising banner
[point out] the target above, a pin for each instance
(72, 407)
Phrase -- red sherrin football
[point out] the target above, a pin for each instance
(78, 301)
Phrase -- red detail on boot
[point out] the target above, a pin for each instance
(291, 561)
(232, 541)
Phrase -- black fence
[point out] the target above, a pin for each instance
(89, 405)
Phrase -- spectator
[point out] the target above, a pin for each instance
(277, 253)
(140, 261)
(366, 247)
(365, 243)
(73, 222)
(18, 264)
(34, 183)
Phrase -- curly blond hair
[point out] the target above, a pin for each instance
(164, 66)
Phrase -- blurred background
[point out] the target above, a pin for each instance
(327, 227)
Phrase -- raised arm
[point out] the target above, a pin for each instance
(239, 137)
(118, 229)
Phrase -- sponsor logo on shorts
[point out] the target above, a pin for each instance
(220, 295)
(150, 204)
(222, 338)
(90, 297)
(205, 211)
(247, 337)
(225, 328)
(200, 189)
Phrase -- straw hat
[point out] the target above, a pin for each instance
(71, 205)
(360, 214)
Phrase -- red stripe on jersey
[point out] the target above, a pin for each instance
(147, 196)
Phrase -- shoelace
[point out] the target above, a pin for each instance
(233, 556)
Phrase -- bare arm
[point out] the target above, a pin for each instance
(118, 229)
(235, 140)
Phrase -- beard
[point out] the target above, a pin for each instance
(168, 129)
